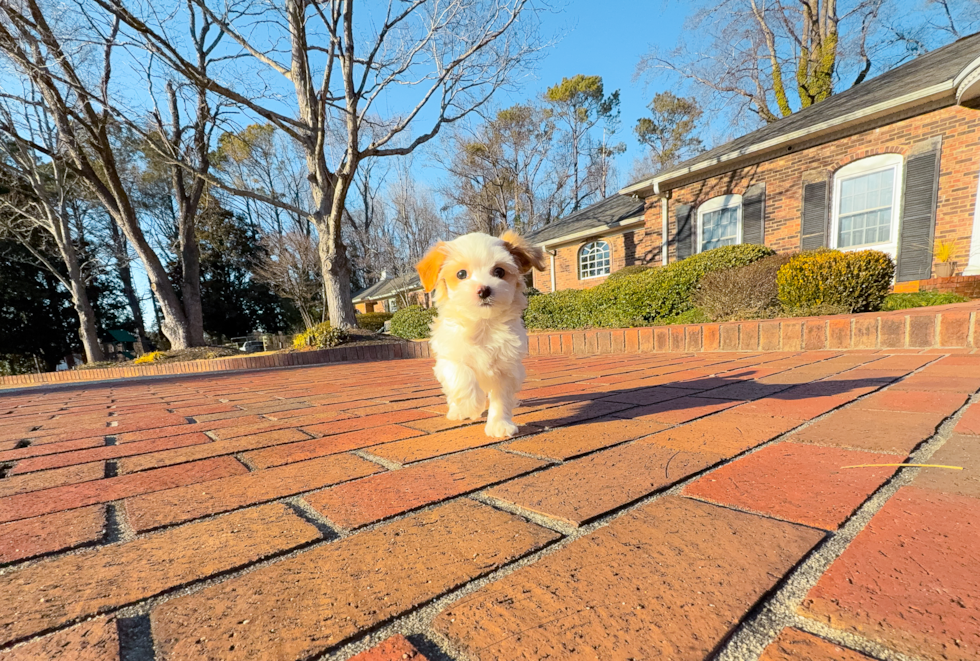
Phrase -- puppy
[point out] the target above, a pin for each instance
(479, 338)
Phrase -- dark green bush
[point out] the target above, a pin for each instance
(374, 321)
(853, 281)
(413, 322)
(921, 299)
(746, 292)
(532, 291)
(651, 296)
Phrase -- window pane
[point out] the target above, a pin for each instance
(594, 260)
(719, 228)
(865, 211)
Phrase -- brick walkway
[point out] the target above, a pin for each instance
(674, 506)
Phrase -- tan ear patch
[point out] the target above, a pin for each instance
(430, 265)
(526, 255)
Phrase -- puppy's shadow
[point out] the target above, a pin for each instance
(632, 403)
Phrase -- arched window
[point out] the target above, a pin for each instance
(866, 204)
(720, 222)
(594, 260)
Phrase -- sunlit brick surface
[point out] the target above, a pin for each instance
(333, 510)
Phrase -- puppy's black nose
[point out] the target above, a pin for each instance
(484, 292)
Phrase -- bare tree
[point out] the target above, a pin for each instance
(292, 270)
(81, 110)
(507, 171)
(342, 72)
(47, 206)
(765, 59)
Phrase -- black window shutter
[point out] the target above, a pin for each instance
(918, 224)
(814, 229)
(754, 214)
(685, 237)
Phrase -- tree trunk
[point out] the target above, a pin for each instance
(190, 285)
(83, 306)
(174, 324)
(335, 267)
(86, 324)
(121, 252)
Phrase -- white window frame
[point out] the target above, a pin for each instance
(578, 260)
(865, 166)
(716, 204)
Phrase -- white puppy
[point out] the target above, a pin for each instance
(479, 338)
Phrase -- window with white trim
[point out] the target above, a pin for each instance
(866, 204)
(720, 222)
(594, 260)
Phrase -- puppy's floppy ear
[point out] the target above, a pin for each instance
(430, 266)
(525, 255)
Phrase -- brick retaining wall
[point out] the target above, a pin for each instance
(941, 327)
(336, 355)
(945, 326)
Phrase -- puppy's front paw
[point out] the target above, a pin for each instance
(501, 429)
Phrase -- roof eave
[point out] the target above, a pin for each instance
(583, 234)
(732, 160)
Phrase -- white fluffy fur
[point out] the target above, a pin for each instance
(479, 345)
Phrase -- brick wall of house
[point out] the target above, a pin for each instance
(636, 246)
(784, 176)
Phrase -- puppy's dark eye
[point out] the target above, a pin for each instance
(498, 273)
(461, 275)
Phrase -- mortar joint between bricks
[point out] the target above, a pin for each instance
(387, 464)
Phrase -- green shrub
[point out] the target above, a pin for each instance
(373, 321)
(746, 292)
(650, 296)
(532, 291)
(559, 310)
(921, 299)
(692, 316)
(320, 336)
(854, 281)
(413, 322)
(628, 271)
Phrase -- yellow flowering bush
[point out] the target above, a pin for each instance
(851, 281)
(320, 336)
(150, 357)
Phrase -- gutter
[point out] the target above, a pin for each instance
(635, 220)
(731, 159)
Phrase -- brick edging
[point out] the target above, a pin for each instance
(947, 326)
(372, 352)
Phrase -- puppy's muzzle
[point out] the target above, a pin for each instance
(484, 292)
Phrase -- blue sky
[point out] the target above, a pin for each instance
(603, 38)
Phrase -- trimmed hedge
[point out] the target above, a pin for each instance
(627, 271)
(651, 296)
(320, 336)
(852, 281)
(413, 322)
(374, 321)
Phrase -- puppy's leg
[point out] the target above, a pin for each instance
(503, 399)
(463, 393)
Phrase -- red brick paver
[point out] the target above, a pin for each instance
(602, 596)
(910, 579)
(296, 513)
(795, 645)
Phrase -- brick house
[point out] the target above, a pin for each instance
(391, 294)
(585, 246)
(892, 164)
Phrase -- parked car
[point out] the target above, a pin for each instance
(253, 346)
